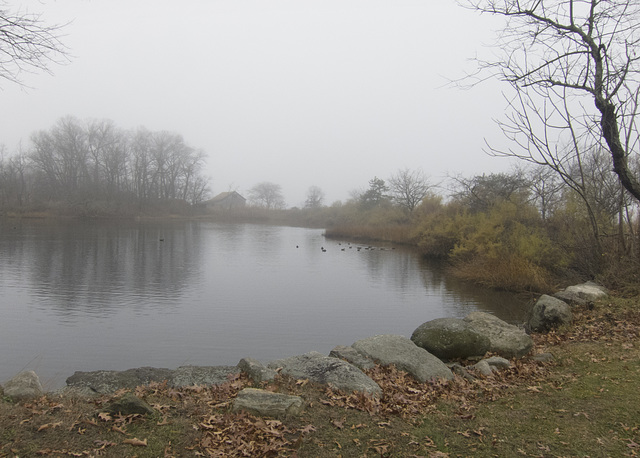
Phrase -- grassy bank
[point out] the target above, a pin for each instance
(583, 403)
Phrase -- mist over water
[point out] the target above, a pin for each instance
(113, 295)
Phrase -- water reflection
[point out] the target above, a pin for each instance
(115, 295)
(96, 267)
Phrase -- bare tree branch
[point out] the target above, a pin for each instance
(555, 52)
(28, 45)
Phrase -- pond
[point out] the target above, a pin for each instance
(114, 295)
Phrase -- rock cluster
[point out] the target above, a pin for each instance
(425, 356)
(552, 311)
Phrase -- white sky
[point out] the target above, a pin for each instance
(297, 92)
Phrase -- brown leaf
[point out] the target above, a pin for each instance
(104, 416)
(104, 444)
(135, 441)
(308, 429)
(338, 423)
(118, 430)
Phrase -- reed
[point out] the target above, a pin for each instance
(400, 234)
(510, 273)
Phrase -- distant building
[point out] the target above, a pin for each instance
(225, 201)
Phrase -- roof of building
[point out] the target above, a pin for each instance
(225, 195)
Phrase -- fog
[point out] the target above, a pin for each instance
(299, 93)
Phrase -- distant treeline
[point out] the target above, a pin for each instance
(96, 167)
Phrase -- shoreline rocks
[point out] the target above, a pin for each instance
(405, 355)
(422, 356)
(326, 370)
(24, 385)
(505, 339)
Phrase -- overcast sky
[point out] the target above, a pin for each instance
(296, 92)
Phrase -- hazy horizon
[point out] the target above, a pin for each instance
(315, 93)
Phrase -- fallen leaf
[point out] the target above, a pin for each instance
(307, 429)
(135, 441)
(118, 430)
(338, 424)
(104, 444)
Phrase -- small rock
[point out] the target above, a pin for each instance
(25, 385)
(129, 404)
(457, 369)
(350, 354)
(262, 402)
(543, 358)
(256, 371)
(498, 362)
(484, 368)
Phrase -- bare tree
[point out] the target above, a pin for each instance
(557, 54)
(267, 195)
(315, 197)
(409, 187)
(27, 44)
(546, 189)
(99, 161)
(482, 192)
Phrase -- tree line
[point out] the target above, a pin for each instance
(523, 230)
(77, 162)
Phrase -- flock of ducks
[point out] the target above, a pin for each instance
(358, 248)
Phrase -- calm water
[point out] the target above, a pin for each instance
(117, 295)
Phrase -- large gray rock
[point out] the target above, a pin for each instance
(548, 313)
(582, 293)
(326, 370)
(262, 402)
(202, 375)
(570, 298)
(505, 339)
(405, 355)
(105, 382)
(352, 356)
(25, 385)
(450, 338)
(256, 371)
